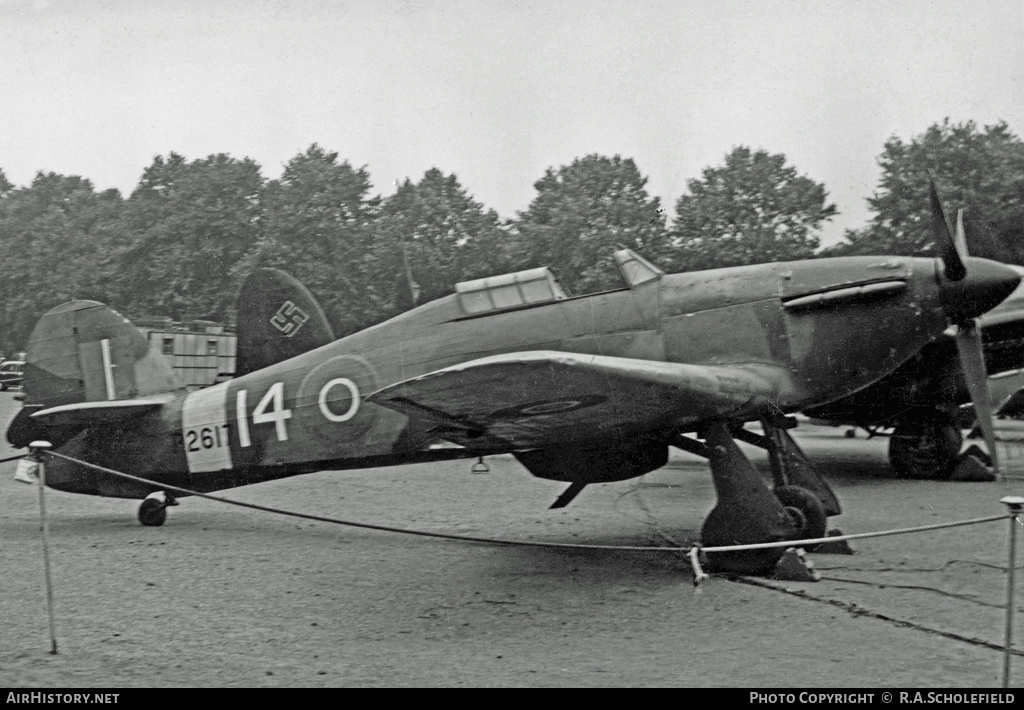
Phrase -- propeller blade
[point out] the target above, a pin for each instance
(960, 237)
(972, 362)
(945, 242)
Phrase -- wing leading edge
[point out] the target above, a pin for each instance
(529, 400)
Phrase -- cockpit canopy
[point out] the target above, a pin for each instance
(497, 293)
(536, 286)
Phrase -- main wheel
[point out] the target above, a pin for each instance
(925, 447)
(152, 512)
(720, 529)
(804, 510)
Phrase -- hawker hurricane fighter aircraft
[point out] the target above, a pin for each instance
(583, 390)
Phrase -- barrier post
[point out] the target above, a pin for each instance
(38, 448)
(1015, 505)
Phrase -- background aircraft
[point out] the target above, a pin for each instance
(582, 389)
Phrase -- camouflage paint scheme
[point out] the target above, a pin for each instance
(581, 389)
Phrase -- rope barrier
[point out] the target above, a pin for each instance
(858, 536)
(370, 526)
(529, 543)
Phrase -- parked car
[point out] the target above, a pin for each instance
(10, 374)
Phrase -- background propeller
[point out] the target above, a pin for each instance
(952, 247)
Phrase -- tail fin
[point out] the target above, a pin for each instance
(83, 351)
(277, 319)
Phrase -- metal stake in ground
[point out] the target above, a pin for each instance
(1015, 504)
(38, 448)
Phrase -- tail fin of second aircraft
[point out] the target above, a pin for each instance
(83, 351)
(277, 319)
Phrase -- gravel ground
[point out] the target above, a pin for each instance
(224, 596)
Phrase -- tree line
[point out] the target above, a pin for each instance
(181, 243)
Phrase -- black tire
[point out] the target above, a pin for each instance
(3, 386)
(805, 510)
(925, 447)
(720, 529)
(152, 512)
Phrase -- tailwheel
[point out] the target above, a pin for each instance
(804, 511)
(925, 446)
(153, 510)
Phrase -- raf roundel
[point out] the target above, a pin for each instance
(549, 406)
(325, 402)
(331, 399)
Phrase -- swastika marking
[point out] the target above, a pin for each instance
(289, 318)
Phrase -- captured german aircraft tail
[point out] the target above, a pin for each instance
(83, 351)
(277, 319)
(83, 360)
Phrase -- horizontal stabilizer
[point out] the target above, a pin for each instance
(85, 414)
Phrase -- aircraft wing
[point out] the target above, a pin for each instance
(530, 400)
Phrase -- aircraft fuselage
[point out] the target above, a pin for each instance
(828, 328)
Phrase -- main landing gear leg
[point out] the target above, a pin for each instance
(746, 512)
(153, 511)
(808, 498)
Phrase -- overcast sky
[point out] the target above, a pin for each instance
(496, 91)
